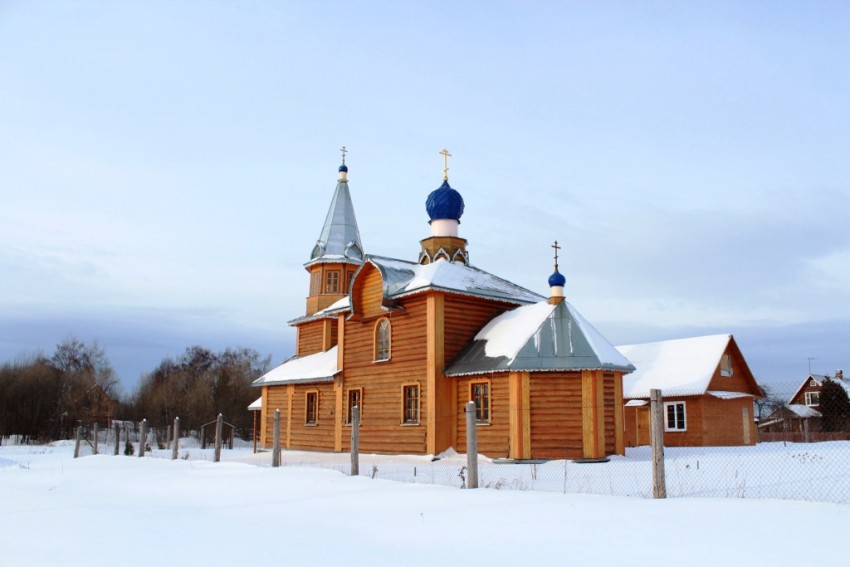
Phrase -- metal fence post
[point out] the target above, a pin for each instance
(355, 441)
(117, 437)
(175, 443)
(471, 446)
(276, 447)
(656, 428)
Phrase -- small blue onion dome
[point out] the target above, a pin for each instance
(557, 279)
(444, 203)
(343, 168)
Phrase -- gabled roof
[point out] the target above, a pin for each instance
(319, 367)
(684, 367)
(340, 237)
(819, 378)
(401, 278)
(538, 337)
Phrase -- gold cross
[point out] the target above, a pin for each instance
(446, 155)
(556, 247)
(344, 151)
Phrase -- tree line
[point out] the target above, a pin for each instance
(44, 398)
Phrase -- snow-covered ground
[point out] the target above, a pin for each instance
(105, 510)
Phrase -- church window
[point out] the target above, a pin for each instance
(812, 398)
(410, 399)
(726, 365)
(674, 416)
(312, 411)
(332, 282)
(355, 399)
(382, 340)
(480, 394)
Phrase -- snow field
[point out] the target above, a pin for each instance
(102, 510)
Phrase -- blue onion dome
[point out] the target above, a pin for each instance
(557, 279)
(343, 168)
(444, 203)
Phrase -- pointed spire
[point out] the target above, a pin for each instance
(340, 237)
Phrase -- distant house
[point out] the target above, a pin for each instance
(796, 418)
(802, 414)
(707, 387)
(808, 394)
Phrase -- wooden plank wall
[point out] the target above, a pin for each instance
(609, 398)
(493, 439)
(464, 317)
(319, 437)
(368, 293)
(310, 337)
(381, 429)
(556, 416)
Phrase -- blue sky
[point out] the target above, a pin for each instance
(165, 167)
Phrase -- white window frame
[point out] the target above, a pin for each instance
(676, 417)
(810, 395)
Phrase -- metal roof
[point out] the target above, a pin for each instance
(563, 341)
(340, 237)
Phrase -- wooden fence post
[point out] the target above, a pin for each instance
(276, 447)
(656, 434)
(77, 444)
(355, 441)
(168, 437)
(142, 434)
(117, 437)
(471, 446)
(218, 421)
(175, 443)
(94, 447)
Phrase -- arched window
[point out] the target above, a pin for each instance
(382, 340)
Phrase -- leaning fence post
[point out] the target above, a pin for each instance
(218, 421)
(117, 436)
(471, 446)
(656, 429)
(77, 444)
(355, 441)
(175, 444)
(276, 447)
(94, 447)
(142, 434)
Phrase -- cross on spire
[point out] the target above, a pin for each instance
(446, 155)
(556, 247)
(344, 151)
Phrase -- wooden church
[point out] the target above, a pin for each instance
(411, 342)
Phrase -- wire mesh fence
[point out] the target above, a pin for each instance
(792, 443)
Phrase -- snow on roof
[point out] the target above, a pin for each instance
(538, 337)
(682, 366)
(509, 332)
(319, 367)
(256, 405)
(404, 278)
(804, 411)
(819, 378)
(729, 395)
